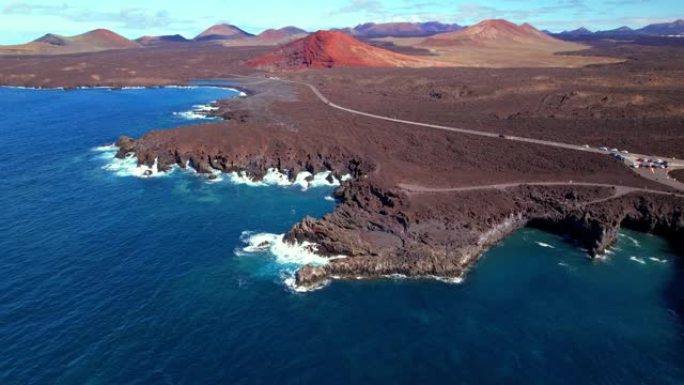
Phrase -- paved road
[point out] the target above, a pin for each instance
(619, 190)
(583, 148)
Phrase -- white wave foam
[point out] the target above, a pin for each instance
(273, 177)
(450, 280)
(214, 180)
(321, 180)
(34, 88)
(603, 257)
(289, 256)
(284, 253)
(291, 283)
(128, 166)
(198, 112)
(654, 259)
(106, 148)
(191, 115)
(243, 179)
(542, 244)
(329, 198)
(205, 107)
(397, 276)
(638, 260)
(392, 276)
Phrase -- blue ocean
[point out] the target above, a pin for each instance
(107, 278)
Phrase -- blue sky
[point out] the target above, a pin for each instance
(26, 20)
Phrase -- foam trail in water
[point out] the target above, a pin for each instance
(542, 244)
(638, 260)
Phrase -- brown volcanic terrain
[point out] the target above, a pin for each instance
(382, 227)
(678, 174)
(327, 49)
(405, 211)
(50, 44)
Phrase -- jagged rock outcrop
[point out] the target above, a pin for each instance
(126, 146)
(384, 232)
(276, 155)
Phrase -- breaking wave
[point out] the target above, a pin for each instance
(198, 112)
(273, 177)
(290, 257)
(127, 166)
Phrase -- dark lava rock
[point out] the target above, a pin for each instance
(310, 277)
(126, 146)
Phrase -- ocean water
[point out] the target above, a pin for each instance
(112, 279)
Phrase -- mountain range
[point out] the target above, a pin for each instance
(53, 44)
(402, 29)
(435, 33)
(675, 28)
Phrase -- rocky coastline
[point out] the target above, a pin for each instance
(383, 230)
(383, 233)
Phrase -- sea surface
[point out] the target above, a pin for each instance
(107, 278)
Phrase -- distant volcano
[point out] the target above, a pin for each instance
(52, 44)
(327, 49)
(161, 40)
(282, 33)
(95, 40)
(222, 32)
(493, 33)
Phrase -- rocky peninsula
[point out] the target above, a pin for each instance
(392, 220)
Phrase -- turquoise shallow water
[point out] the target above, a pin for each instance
(118, 280)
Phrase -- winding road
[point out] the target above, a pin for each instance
(658, 176)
